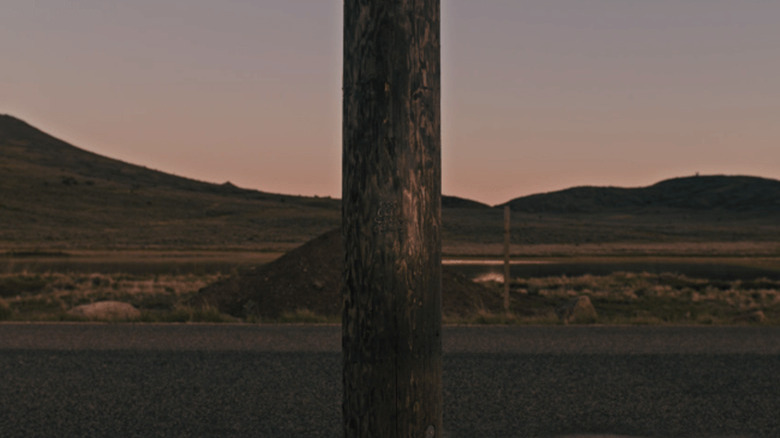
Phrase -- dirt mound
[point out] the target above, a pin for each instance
(309, 277)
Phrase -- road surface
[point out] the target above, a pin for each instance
(124, 380)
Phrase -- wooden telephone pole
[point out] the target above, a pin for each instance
(391, 219)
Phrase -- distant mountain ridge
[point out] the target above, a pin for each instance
(696, 193)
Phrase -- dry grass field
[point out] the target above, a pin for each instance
(164, 290)
(645, 298)
(49, 297)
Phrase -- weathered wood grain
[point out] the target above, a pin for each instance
(391, 219)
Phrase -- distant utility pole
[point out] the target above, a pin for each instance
(507, 274)
(391, 219)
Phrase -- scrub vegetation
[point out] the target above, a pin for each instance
(645, 298)
(50, 296)
(619, 298)
(80, 228)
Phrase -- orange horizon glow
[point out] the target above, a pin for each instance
(537, 96)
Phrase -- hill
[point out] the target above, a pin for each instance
(54, 195)
(456, 202)
(718, 193)
(32, 153)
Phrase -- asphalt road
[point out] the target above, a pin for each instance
(91, 380)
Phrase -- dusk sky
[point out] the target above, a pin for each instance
(538, 95)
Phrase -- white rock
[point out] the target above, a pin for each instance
(106, 310)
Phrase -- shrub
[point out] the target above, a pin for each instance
(5, 311)
(21, 284)
(209, 314)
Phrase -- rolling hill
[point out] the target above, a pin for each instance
(718, 193)
(55, 196)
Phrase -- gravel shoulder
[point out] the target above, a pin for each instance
(490, 339)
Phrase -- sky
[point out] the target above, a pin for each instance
(537, 95)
